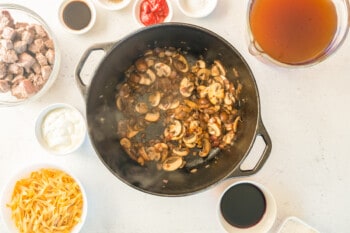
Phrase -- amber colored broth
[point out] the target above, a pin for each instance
(293, 31)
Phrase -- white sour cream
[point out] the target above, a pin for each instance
(63, 129)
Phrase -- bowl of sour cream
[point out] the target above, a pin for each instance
(60, 128)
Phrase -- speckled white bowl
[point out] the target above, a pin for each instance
(22, 173)
(40, 120)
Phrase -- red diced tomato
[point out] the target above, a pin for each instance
(153, 11)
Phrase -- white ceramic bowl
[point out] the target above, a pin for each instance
(85, 29)
(197, 8)
(136, 12)
(25, 15)
(24, 172)
(69, 126)
(265, 222)
(113, 4)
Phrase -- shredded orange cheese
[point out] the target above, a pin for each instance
(48, 201)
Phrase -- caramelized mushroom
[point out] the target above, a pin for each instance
(125, 143)
(173, 130)
(172, 163)
(180, 151)
(153, 154)
(203, 74)
(141, 108)
(214, 126)
(190, 139)
(162, 70)
(186, 87)
(180, 63)
(201, 64)
(235, 124)
(147, 78)
(217, 69)
(132, 133)
(216, 93)
(174, 104)
(143, 154)
(119, 104)
(141, 65)
(152, 116)
(154, 98)
(206, 148)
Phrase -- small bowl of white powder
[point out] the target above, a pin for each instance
(60, 129)
(197, 8)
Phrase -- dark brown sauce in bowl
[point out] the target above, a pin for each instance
(243, 205)
(77, 15)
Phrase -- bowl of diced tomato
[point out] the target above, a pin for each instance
(150, 12)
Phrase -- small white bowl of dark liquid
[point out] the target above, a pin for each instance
(77, 16)
(247, 207)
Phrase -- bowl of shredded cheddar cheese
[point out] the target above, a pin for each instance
(43, 198)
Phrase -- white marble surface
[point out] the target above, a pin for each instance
(306, 112)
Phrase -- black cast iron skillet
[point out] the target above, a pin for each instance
(102, 114)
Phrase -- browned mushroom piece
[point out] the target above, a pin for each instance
(181, 151)
(172, 163)
(190, 141)
(186, 87)
(218, 69)
(141, 108)
(201, 64)
(162, 70)
(206, 148)
(125, 143)
(180, 63)
(214, 126)
(147, 78)
(228, 138)
(173, 130)
(152, 116)
(153, 154)
(203, 74)
(141, 65)
(154, 98)
(142, 152)
(216, 93)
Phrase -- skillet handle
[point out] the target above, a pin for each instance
(101, 46)
(261, 131)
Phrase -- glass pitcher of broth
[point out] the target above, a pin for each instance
(296, 32)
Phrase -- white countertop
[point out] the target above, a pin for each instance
(306, 112)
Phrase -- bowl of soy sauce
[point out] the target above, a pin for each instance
(246, 206)
(77, 16)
